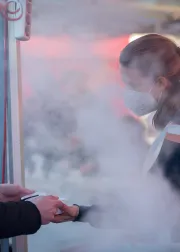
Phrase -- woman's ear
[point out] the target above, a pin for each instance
(162, 83)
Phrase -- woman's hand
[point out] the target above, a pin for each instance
(69, 214)
(11, 192)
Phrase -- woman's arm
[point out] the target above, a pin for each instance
(18, 218)
(90, 214)
(95, 215)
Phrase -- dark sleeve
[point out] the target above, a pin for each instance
(88, 214)
(98, 217)
(18, 218)
(84, 212)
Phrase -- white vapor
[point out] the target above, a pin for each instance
(66, 104)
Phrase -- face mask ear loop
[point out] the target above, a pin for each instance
(150, 90)
(160, 97)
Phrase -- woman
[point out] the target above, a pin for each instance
(150, 68)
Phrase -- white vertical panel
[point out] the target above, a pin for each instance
(19, 243)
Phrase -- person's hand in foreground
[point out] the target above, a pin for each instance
(11, 192)
(69, 213)
(48, 207)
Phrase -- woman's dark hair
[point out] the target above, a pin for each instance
(155, 55)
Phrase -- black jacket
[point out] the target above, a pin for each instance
(18, 218)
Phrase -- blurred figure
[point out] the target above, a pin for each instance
(47, 133)
(80, 158)
(52, 137)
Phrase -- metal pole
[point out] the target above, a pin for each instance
(4, 243)
(15, 136)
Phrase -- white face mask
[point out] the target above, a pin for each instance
(139, 103)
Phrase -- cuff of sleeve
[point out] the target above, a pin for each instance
(82, 212)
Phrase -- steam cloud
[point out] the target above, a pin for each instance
(64, 104)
